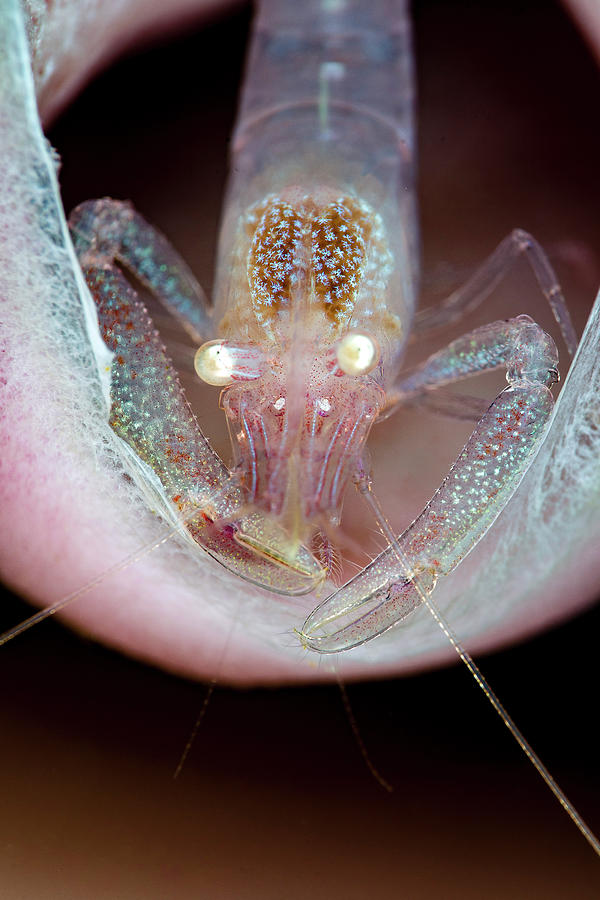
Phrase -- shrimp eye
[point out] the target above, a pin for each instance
(221, 362)
(357, 354)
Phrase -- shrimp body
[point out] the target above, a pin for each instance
(315, 257)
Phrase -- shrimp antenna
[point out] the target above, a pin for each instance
(59, 605)
(362, 747)
(210, 689)
(196, 727)
(364, 486)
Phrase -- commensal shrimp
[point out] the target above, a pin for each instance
(314, 306)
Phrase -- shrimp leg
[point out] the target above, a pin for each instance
(488, 276)
(171, 457)
(112, 229)
(478, 486)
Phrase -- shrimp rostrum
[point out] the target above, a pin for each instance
(314, 306)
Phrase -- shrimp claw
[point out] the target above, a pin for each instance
(169, 455)
(476, 489)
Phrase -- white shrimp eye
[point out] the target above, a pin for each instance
(357, 354)
(221, 363)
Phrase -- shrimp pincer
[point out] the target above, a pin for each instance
(169, 451)
(478, 486)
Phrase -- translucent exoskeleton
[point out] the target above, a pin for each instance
(308, 219)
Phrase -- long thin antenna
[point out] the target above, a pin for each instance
(365, 489)
(207, 696)
(195, 729)
(362, 748)
(59, 605)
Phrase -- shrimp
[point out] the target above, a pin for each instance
(338, 360)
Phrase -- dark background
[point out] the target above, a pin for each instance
(275, 801)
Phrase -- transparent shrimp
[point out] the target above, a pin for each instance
(586, 379)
